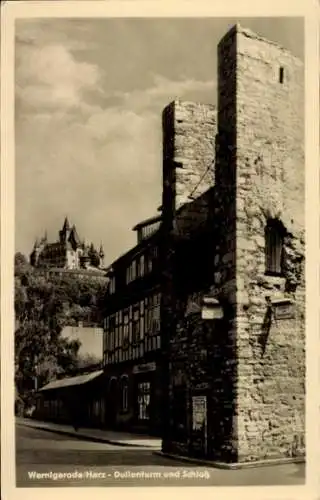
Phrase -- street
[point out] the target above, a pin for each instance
(42, 458)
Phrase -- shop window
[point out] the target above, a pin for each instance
(144, 401)
(96, 408)
(274, 241)
(124, 394)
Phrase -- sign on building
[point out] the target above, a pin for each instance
(284, 311)
(147, 367)
(199, 412)
(283, 308)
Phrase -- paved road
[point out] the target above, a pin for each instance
(85, 463)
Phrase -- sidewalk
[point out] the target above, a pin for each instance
(96, 435)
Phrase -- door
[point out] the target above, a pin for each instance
(112, 403)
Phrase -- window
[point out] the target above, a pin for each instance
(118, 330)
(125, 342)
(124, 394)
(144, 401)
(149, 264)
(141, 266)
(141, 319)
(136, 325)
(281, 74)
(111, 332)
(134, 270)
(112, 285)
(153, 314)
(131, 272)
(105, 334)
(274, 239)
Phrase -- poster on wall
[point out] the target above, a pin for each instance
(199, 412)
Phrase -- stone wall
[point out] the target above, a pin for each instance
(189, 131)
(270, 185)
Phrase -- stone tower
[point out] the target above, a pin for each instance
(260, 123)
(189, 143)
(249, 405)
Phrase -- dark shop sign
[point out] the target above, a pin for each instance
(147, 367)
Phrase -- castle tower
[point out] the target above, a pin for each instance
(65, 231)
(101, 255)
(244, 387)
(260, 187)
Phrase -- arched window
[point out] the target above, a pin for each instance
(274, 240)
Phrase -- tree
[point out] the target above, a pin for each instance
(42, 308)
(21, 265)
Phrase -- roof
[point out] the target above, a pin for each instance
(74, 235)
(72, 381)
(66, 224)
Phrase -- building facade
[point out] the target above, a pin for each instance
(69, 252)
(132, 337)
(76, 400)
(83, 388)
(232, 283)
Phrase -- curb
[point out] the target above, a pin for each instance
(85, 437)
(235, 465)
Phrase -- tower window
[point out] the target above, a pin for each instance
(274, 241)
(281, 74)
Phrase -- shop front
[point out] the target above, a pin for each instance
(134, 399)
(147, 397)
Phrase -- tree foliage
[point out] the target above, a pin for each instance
(42, 308)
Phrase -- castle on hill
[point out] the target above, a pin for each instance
(69, 252)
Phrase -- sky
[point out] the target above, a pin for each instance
(88, 100)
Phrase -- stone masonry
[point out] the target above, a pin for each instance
(249, 365)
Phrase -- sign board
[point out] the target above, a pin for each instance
(211, 308)
(283, 310)
(211, 312)
(199, 412)
(147, 367)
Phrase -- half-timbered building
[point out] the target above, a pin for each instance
(132, 340)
